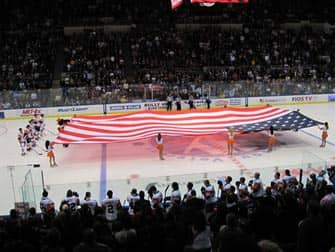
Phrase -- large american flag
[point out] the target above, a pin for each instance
(145, 124)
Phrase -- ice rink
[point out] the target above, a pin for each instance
(120, 167)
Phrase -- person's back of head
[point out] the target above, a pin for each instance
(142, 195)
(110, 194)
(45, 193)
(69, 193)
(231, 220)
(133, 191)
(89, 236)
(32, 211)
(53, 237)
(287, 172)
(199, 221)
(175, 186)
(268, 246)
(189, 186)
(257, 175)
(313, 208)
(87, 195)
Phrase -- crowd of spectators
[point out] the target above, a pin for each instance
(246, 216)
(155, 49)
(27, 57)
(276, 60)
(28, 40)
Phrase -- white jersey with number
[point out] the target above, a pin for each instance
(46, 205)
(91, 203)
(72, 201)
(111, 208)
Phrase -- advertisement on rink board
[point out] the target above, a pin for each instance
(154, 105)
(124, 107)
(331, 98)
(31, 112)
(161, 105)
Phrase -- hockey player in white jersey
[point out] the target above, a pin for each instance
(111, 206)
(91, 203)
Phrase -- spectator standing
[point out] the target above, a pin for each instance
(208, 101)
(169, 100)
(191, 101)
(178, 103)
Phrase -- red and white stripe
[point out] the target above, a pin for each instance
(145, 124)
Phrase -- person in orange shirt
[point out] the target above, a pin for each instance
(324, 134)
(230, 141)
(272, 139)
(51, 154)
(159, 145)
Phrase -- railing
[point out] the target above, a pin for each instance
(134, 92)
